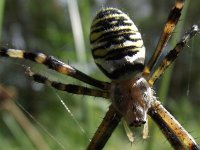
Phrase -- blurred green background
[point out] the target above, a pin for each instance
(61, 28)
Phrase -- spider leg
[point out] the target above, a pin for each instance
(106, 128)
(170, 136)
(173, 54)
(70, 88)
(171, 128)
(170, 24)
(54, 64)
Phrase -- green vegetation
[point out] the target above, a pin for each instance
(46, 26)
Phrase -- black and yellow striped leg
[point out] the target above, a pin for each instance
(170, 136)
(173, 54)
(70, 88)
(178, 137)
(172, 20)
(53, 64)
(105, 130)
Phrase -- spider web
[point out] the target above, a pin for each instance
(64, 106)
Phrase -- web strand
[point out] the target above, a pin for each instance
(71, 114)
(41, 126)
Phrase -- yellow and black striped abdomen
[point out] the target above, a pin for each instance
(117, 46)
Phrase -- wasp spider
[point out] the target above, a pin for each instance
(118, 50)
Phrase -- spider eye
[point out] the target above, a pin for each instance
(117, 46)
(137, 123)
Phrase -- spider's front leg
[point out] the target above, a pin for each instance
(178, 137)
(106, 128)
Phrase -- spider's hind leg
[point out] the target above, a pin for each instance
(170, 24)
(54, 64)
(173, 54)
(70, 88)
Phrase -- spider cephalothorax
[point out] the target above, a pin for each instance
(132, 98)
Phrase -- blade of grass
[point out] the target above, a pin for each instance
(77, 29)
(2, 2)
(76, 25)
(8, 104)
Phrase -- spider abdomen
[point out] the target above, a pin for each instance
(117, 46)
